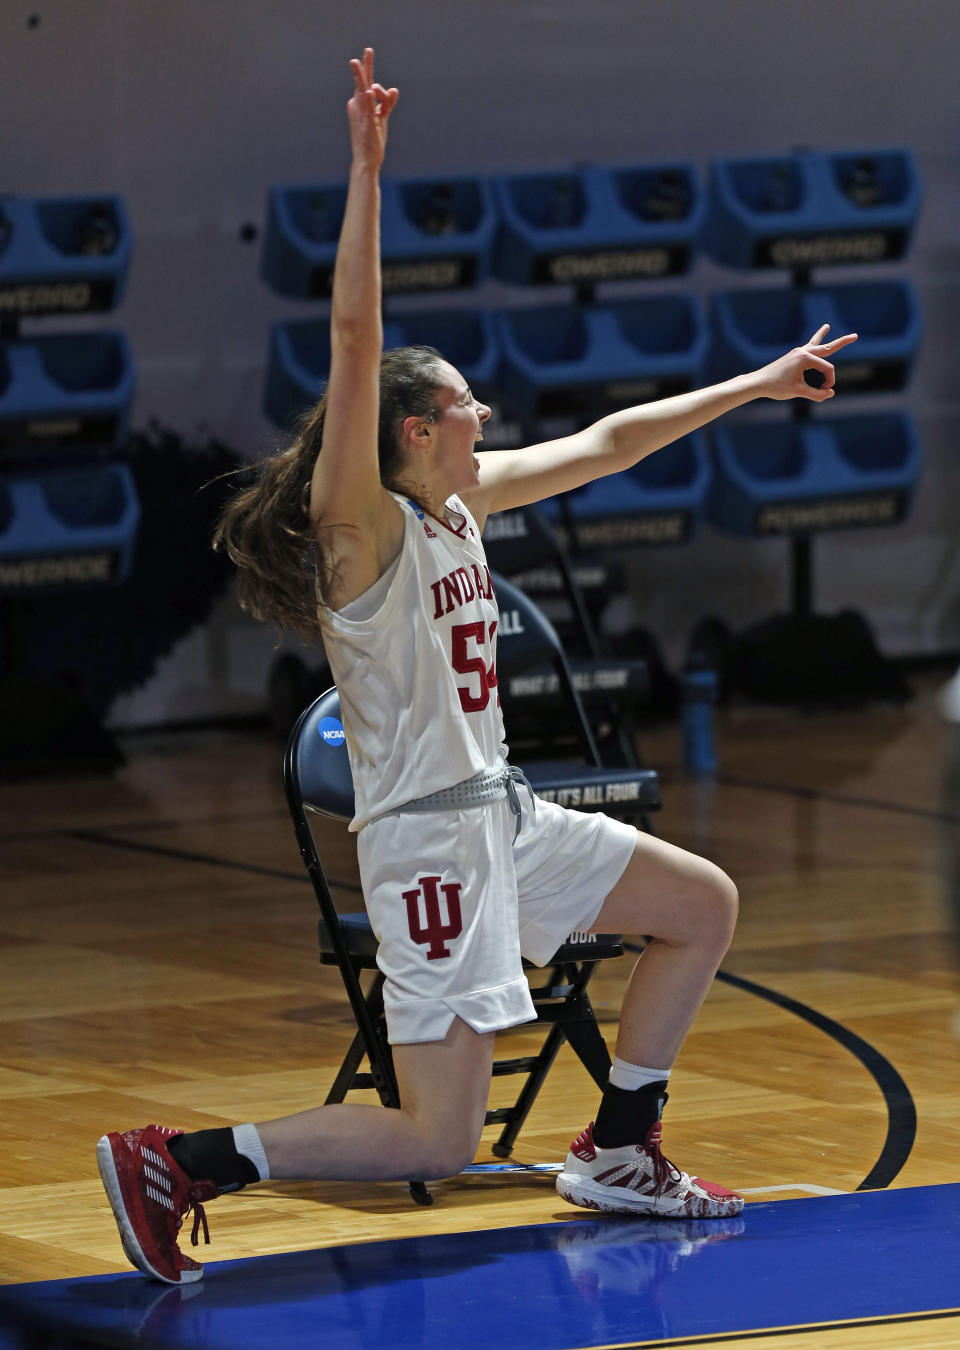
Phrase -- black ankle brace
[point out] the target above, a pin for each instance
(625, 1117)
(211, 1155)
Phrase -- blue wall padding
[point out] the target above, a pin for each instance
(597, 224)
(812, 209)
(565, 359)
(755, 327)
(661, 500)
(804, 477)
(67, 528)
(64, 392)
(62, 255)
(436, 235)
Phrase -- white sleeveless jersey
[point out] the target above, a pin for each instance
(417, 681)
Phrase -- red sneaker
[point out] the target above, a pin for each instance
(149, 1195)
(638, 1179)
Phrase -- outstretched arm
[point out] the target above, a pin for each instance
(346, 481)
(510, 478)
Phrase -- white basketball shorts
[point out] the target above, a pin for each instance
(455, 901)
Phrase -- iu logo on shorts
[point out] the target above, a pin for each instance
(428, 927)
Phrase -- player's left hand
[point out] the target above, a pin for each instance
(784, 378)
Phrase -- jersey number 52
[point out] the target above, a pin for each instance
(469, 658)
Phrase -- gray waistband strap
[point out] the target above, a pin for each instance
(490, 785)
(515, 776)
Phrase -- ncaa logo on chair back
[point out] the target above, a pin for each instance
(331, 732)
(429, 927)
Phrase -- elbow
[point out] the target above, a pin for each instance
(356, 333)
(615, 447)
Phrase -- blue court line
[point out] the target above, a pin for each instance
(578, 1283)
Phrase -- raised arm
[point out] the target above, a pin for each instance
(346, 498)
(510, 478)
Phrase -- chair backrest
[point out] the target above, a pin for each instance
(518, 539)
(521, 540)
(525, 636)
(316, 768)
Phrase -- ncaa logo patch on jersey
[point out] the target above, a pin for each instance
(421, 516)
(331, 733)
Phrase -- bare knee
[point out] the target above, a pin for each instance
(445, 1155)
(442, 1166)
(443, 1093)
(725, 906)
(702, 910)
(674, 896)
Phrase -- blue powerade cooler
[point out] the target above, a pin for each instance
(812, 209)
(589, 225)
(467, 338)
(62, 255)
(799, 478)
(568, 360)
(659, 501)
(298, 363)
(67, 529)
(755, 327)
(435, 235)
(66, 393)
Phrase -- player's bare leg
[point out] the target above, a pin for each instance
(155, 1175)
(687, 908)
(443, 1091)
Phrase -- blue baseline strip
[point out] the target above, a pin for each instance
(577, 1283)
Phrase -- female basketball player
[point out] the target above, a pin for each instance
(367, 531)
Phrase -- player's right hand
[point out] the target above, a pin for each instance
(368, 112)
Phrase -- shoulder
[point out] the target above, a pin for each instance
(351, 556)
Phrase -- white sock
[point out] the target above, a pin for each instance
(631, 1076)
(247, 1141)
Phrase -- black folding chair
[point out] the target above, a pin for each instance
(522, 544)
(317, 780)
(528, 649)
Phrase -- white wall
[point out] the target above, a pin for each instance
(192, 110)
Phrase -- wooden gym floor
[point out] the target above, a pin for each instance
(157, 962)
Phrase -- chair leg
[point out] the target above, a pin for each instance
(573, 1019)
(528, 1093)
(344, 1079)
(368, 1041)
(372, 1033)
(588, 1044)
(581, 1029)
(420, 1193)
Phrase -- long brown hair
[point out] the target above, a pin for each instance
(266, 527)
